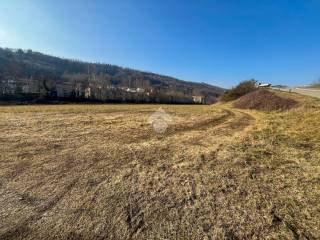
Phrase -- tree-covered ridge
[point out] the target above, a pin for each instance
(29, 75)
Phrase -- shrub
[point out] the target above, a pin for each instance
(241, 89)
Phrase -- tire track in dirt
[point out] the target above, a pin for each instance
(202, 125)
(169, 152)
(230, 122)
(23, 228)
(184, 127)
(168, 145)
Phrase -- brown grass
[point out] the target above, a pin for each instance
(101, 172)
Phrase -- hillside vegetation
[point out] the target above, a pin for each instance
(101, 172)
(28, 75)
(238, 91)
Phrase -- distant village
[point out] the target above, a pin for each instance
(27, 76)
(90, 89)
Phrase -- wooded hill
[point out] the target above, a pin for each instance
(33, 76)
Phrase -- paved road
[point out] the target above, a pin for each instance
(303, 91)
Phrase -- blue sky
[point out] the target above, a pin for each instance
(218, 42)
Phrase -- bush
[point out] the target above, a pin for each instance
(241, 89)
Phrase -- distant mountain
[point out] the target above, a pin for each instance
(33, 76)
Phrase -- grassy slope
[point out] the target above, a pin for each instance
(218, 172)
(281, 159)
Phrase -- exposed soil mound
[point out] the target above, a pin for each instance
(264, 100)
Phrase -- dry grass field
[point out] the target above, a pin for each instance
(102, 172)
